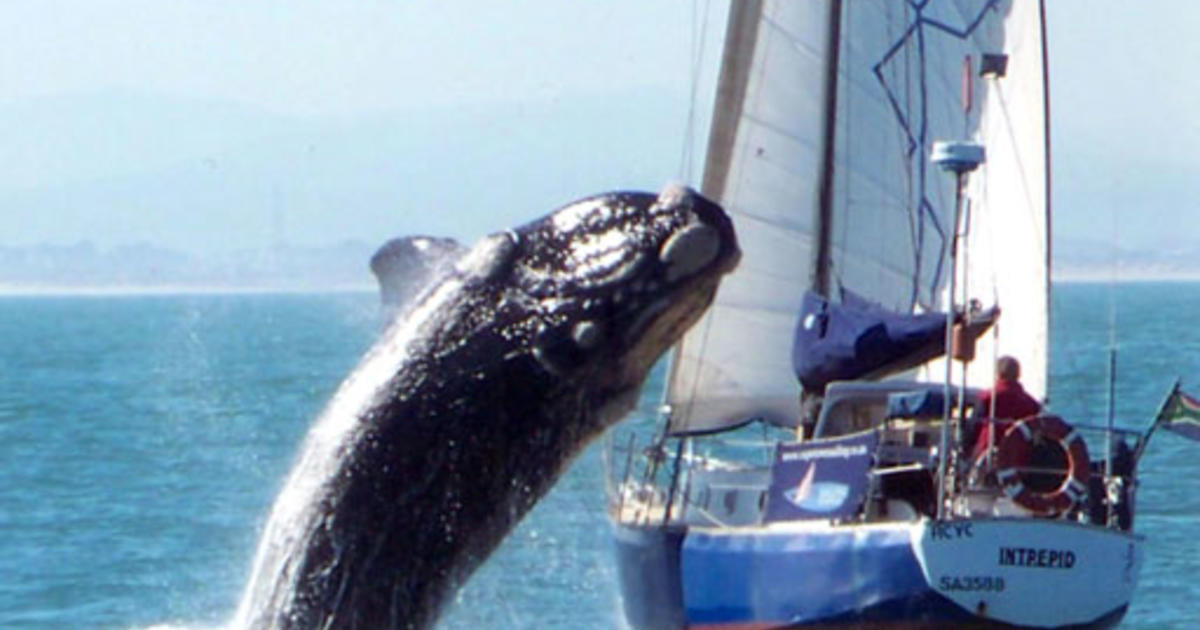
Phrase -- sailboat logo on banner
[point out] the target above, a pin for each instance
(817, 496)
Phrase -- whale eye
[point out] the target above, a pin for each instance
(560, 349)
(587, 334)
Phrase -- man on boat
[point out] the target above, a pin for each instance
(1005, 403)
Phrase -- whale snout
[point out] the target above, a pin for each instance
(706, 238)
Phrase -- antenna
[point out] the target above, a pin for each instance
(959, 158)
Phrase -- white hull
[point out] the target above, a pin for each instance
(1029, 572)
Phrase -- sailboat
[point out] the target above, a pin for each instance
(886, 164)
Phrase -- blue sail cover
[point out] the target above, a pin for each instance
(859, 339)
(925, 404)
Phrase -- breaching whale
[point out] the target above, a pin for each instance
(467, 410)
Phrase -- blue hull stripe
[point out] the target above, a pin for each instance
(791, 578)
(861, 578)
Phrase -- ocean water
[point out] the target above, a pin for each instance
(143, 439)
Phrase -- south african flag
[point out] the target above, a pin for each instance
(1181, 414)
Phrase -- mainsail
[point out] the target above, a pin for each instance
(825, 116)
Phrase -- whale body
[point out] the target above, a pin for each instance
(469, 408)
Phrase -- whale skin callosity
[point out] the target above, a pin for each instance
(467, 410)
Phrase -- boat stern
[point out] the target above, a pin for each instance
(1032, 573)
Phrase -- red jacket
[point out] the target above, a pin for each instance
(1012, 403)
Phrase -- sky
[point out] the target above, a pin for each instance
(1125, 123)
(309, 58)
(213, 125)
(217, 125)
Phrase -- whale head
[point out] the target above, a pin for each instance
(608, 283)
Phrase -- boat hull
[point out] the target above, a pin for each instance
(980, 573)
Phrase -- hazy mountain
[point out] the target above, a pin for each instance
(85, 267)
(122, 188)
(212, 181)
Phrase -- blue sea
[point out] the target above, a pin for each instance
(143, 439)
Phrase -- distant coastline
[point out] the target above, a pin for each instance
(18, 291)
(84, 269)
(34, 290)
(145, 269)
(1125, 276)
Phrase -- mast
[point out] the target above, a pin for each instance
(1047, 179)
(741, 32)
(824, 219)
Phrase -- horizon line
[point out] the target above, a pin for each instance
(19, 290)
(165, 290)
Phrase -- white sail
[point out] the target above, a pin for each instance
(780, 139)
(764, 161)
(1009, 241)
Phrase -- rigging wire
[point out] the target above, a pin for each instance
(697, 58)
(1114, 264)
(1110, 419)
(699, 36)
